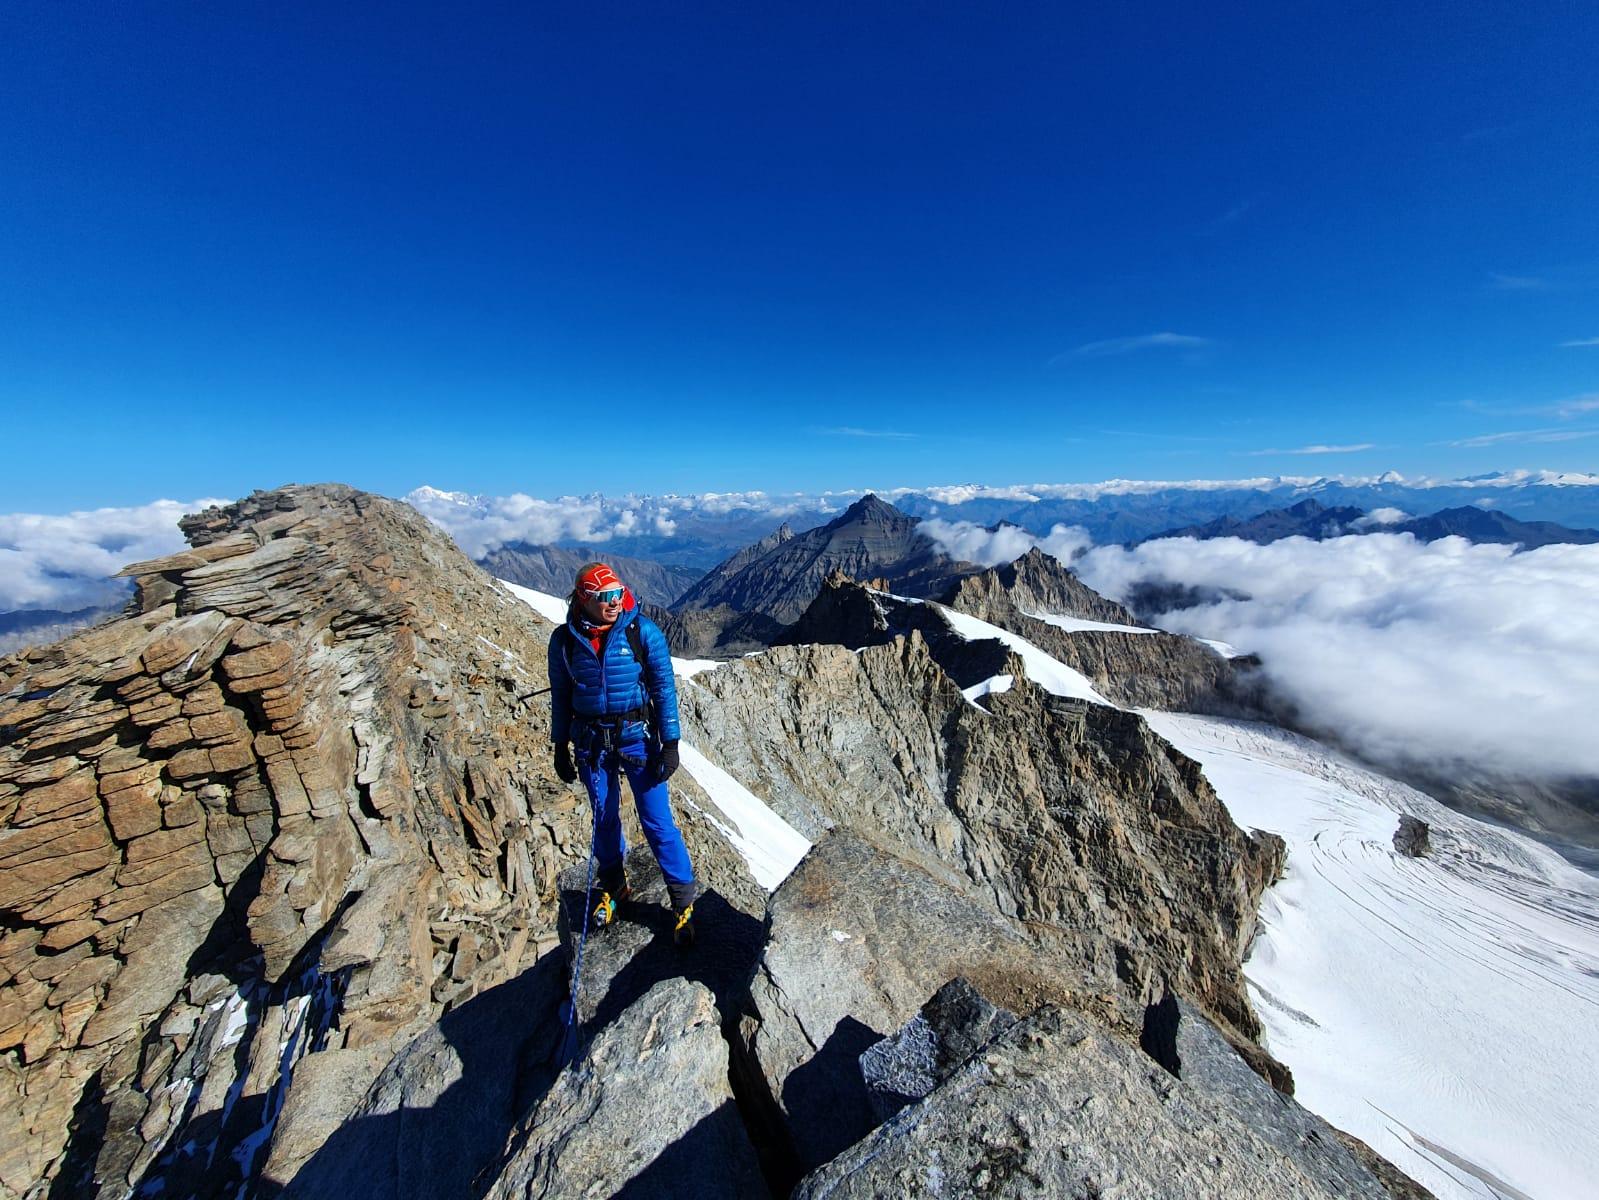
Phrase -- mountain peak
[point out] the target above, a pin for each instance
(1306, 508)
(870, 507)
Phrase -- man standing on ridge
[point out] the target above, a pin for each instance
(614, 709)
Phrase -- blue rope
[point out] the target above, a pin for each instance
(569, 1046)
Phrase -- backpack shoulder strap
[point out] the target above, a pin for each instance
(635, 642)
(565, 634)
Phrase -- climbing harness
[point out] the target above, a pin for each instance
(599, 737)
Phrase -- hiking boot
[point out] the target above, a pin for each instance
(683, 931)
(605, 907)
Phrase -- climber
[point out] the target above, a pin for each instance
(614, 710)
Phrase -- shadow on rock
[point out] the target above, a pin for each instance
(826, 1098)
(678, 1172)
(638, 952)
(442, 1110)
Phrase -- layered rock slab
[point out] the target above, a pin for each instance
(625, 960)
(905, 1066)
(430, 1121)
(1202, 1059)
(318, 729)
(858, 939)
(646, 1112)
(1058, 1107)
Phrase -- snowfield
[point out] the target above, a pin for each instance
(1049, 673)
(551, 608)
(1441, 1009)
(1075, 624)
(770, 845)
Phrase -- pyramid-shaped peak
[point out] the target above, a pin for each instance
(1306, 508)
(871, 507)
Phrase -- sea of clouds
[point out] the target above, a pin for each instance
(481, 524)
(67, 561)
(1411, 651)
(1408, 650)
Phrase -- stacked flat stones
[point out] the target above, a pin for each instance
(321, 702)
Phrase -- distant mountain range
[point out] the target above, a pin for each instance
(702, 531)
(1311, 519)
(41, 626)
(553, 568)
(753, 598)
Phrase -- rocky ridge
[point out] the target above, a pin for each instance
(1139, 670)
(292, 809)
(704, 593)
(1065, 817)
(1310, 519)
(1134, 669)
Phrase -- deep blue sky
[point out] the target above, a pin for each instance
(684, 247)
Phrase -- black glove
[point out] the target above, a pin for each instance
(563, 762)
(666, 762)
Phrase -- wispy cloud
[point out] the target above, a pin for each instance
(855, 432)
(1580, 342)
(1515, 436)
(1577, 406)
(1316, 449)
(1157, 435)
(1565, 410)
(1548, 277)
(1231, 217)
(1111, 347)
(1501, 282)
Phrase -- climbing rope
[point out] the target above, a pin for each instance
(569, 1043)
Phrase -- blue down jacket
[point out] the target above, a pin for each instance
(581, 685)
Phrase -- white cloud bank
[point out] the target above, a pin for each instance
(67, 561)
(990, 547)
(480, 524)
(1408, 650)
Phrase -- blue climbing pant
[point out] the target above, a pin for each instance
(600, 763)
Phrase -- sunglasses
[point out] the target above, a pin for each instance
(608, 596)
